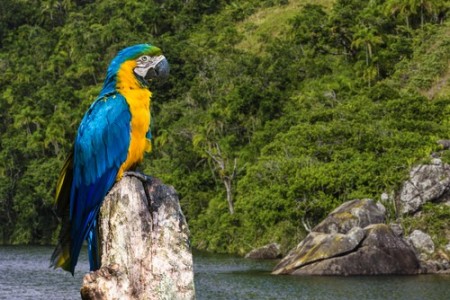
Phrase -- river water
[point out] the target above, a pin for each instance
(24, 274)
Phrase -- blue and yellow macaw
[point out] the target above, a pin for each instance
(112, 138)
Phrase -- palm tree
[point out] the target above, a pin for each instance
(408, 8)
(400, 8)
(366, 37)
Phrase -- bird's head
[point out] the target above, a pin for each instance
(143, 63)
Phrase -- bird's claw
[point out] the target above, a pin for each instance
(141, 176)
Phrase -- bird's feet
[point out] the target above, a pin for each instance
(141, 176)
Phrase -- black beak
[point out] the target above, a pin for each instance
(159, 71)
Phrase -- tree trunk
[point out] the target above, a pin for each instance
(144, 245)
(227, 182)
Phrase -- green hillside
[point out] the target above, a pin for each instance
(276, 111)
(271, 22)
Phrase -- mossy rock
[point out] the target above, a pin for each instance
(354, 213)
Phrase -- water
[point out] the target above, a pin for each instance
(24, 274)
(225, 277)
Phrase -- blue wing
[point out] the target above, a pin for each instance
(101, 146)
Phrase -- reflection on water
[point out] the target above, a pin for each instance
(24, 274)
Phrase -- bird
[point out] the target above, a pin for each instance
(111, 139)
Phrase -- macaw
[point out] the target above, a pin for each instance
(111, 139)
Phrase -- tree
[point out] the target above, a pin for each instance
(367, 38)
(408, 8)
(226, 173)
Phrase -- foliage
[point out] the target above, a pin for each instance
(433, 220)
(315, 106)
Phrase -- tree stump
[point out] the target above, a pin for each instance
(144, 245)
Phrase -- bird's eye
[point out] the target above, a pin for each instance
(145, 58)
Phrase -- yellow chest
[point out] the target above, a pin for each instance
(138, 100)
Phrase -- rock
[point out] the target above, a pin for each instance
(339, 246)
(145, 252)
(318, 246)
(426, 183)
(354, 213)
(397, 229)
(442, 256)
(270, 251)
(380, 251)
(445, 144)
(434, 266)
(447, 247)
(436, 161)
(421, 242)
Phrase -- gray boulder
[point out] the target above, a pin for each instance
(270, 251)
(318, 246)
(354, 213)
(426, 183)
(434, 266)
(379, 252)
(445, 144)
(422, 242)
(397, 229)
(351, 241)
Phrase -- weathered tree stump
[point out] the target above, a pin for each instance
(144, 245)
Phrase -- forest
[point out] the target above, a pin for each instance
(275, 112)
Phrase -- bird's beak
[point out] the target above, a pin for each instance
(159, 69)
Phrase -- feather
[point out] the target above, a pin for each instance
(97, 172)
(61, 254)
(88, 174)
